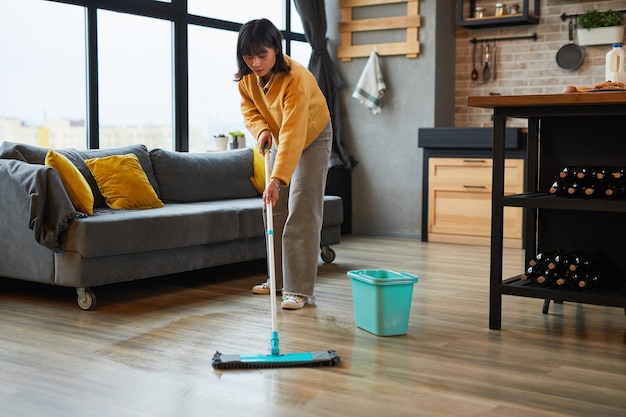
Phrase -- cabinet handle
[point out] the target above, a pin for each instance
(475, 186)
(476, 161)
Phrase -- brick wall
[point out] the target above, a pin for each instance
(527, 66)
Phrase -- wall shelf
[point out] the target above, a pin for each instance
(410, 22)
(466, 17)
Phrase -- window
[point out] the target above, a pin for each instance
(240, 11)
(213, 95)
(42, 76)
(44, 82)
(135, 80)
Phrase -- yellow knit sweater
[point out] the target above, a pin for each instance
(293, 109)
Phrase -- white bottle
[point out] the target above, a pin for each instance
(615, 70)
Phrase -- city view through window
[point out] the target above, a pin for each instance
(43, 76)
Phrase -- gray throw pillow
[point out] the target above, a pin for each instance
(206, 176)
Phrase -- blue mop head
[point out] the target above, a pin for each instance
(304, 359)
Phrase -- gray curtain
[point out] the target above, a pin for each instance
(313, 15)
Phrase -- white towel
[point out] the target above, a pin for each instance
(371, 86)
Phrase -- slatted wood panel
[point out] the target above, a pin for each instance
(410, 22)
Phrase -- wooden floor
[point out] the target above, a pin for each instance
(146, 350)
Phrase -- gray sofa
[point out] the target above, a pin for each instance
(212, 216)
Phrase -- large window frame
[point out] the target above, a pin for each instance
(175, 12)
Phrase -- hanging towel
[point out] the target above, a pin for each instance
(371, 86)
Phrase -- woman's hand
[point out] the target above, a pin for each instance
(264, 140)
(272, 192)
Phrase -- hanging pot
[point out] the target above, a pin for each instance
(570, 56)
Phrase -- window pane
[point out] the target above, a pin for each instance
(296, 22)
(240, 10)
(42, 74)
(213, 95)
(135, 80)
(301, 52)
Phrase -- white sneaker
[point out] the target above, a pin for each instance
(292, 302)
(264, 288)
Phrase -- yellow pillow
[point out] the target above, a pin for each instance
(74, 182)
(123, 182)
(258, 180)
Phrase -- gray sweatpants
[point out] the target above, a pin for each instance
(298, 215)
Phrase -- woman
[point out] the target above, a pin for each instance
(284, 109)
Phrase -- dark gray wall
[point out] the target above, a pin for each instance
(387, 182)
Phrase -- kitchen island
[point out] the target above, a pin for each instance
(585, 128)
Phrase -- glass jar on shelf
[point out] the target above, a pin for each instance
(500, 9)
(479, 12)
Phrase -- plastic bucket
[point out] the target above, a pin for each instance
(382, 300)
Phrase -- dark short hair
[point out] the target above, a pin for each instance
(254, 37)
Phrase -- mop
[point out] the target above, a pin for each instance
(274, 359)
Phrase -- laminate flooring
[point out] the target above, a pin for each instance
(146, 350)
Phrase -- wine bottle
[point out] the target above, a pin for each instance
(574, 279)
(594, 189)
(569, 260)
(560, 187)
(617, 173)
(531, 274)
(581, 172)
(615, 189)
(575, 189)
(599, 173)
(567, 172)
(562, 279)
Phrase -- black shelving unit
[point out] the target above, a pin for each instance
(575, 129)
(526, 16)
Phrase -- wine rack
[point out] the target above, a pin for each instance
(575, 129)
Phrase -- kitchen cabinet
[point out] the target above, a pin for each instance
(456, 196)
(528, 14)
(459, 198)
(563, 129)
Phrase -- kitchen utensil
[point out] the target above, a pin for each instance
(486, 69)
(570, 56)
(474, 70)
(481, 67)
(494, 75)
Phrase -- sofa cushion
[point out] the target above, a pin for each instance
(123, 183)
(258, 179)
(188, 177)
(116, 232)
(74, 182)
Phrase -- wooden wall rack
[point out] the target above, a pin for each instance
(411, 22)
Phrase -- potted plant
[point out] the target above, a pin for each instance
(221, 141)
(599, 28)
(237, 140)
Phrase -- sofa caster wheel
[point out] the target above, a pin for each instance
(86, 298)
(328, 254)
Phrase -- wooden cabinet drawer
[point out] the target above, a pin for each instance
(459, 201)
(475, 173)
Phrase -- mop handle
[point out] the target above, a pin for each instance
(270, 244)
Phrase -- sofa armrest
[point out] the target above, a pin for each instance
(22, 256)
(50, 210)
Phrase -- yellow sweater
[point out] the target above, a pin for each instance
(293, 109)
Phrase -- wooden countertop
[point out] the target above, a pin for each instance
(569, 99)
